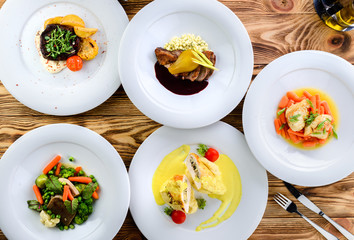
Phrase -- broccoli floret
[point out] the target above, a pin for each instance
(89, 201)
(83, 210)
(90, 209)
(67, 172)
(79, 220)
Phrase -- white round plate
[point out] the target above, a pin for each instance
(313, 69)
(151, 219)
(154, 26)
(24, 161)
(66, 92)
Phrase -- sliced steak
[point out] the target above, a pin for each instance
(47, 32)
(165, 57)
(211, 56)
(56, 205)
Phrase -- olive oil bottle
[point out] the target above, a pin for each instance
(338, 15)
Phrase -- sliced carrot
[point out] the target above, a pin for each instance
(95, 195)
(309, 143)
(299, 134)
(318, 102)
(52, 163)
(57, 171)
(283, 102)
(307, 94)
(295, 139)
(291, 95)
(66, 192)
(326, 108)
(321, 110)
(277, 125)
(291, 102)
(322, 141)
(70, 195)
(80, 179)
(313, 101)
(78, 169)
(286, 134)
(38, 194)
(282, 118)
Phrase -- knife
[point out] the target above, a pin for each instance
(310, 205)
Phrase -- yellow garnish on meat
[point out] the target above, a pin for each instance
(184, 63)
(201, 59)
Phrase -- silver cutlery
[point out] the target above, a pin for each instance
(289, 206)
(310, 205)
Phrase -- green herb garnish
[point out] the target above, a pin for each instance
(321, 124)
(201, 203)
(168, 211)
(294, 118)
(53, 184)
(88, 190)
(59, 42)
(310, 118)
(202, 149)
(282, 126)
(281, 111)
(309, 102)
(71, 206)
(35, 205)
(334, 133)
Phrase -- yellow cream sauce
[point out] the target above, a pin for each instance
(332, 106)
(172, 164)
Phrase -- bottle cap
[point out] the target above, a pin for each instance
(335, 8)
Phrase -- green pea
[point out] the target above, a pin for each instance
(79, 198)
(55, 168)
(52, 216)
(81, 173)
(66, 227)
(52, 193)
(58, 216)
(94, 180)
(45, 207)
(61, 228)
(71, 159)
(49, 212)
(71, 226)
(91, 176)
(50, 172)
(63, 183)
(62, 167)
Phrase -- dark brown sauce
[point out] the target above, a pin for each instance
(176, 84)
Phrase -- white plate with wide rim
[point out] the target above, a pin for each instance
(151, 219)
(154, 26)
(64, 93)
(24, 161)
(313, 69)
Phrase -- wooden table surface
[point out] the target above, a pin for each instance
(276, 27)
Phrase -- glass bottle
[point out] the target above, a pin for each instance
(338, 15)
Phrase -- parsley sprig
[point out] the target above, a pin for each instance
(294, 118)
(59, 42)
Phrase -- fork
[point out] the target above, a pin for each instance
(289, 206)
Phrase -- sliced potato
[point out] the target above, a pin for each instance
(84, 32)
(88, 49)
(72, 20)
(54, 20)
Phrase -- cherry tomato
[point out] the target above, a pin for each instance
(212, 155)
(74, 63)
(178, 216)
